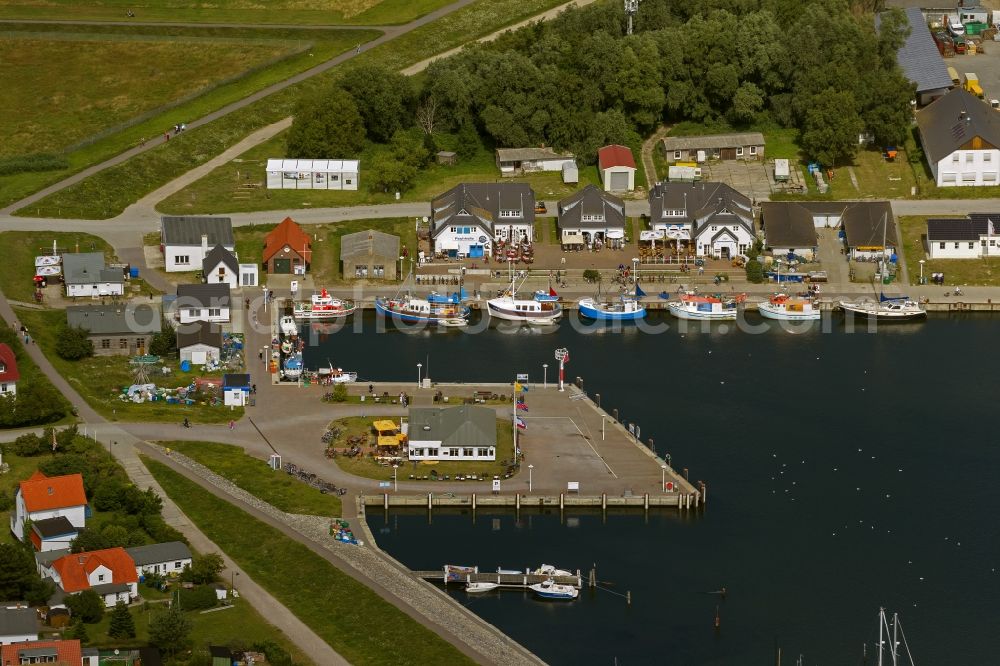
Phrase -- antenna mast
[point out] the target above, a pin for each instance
(631, 9)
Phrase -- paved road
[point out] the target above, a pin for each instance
(390, 34)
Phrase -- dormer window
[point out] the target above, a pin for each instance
(592, 218)
(510, 213)
(3, 367)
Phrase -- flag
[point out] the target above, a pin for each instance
(521, 424)
(524, 387)
(639, 293)
(552, 293)
(523, 406)
(518, 387)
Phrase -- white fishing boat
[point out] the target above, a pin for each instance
(338, 375)
(627, 308)
(479, 588)
(696, 306)
(787, 308)
(549, 589)
(886, 309)
(410, 310)
(551, 571)
(288, 326)
(323, 306)
(508, 306)
(292, 367)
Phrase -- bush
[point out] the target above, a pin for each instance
(755, 271)
(203, 569)
(198, 598)
(340, 393)
(276, 655)
(591, 275)
(29, 445)
(164, 343)
(73, 343)
(29, 163)
(86, 606)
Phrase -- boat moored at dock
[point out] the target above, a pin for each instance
(412, 310)
(787, 308)
(322, 306)
(289, 327)
(292, 367)
(549, 589)
(532, 311)
(695, 306)
(479, 588)
(887, 308)
(626, 308)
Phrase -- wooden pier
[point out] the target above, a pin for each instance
(504, 580)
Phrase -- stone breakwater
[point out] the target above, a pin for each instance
(370, 563)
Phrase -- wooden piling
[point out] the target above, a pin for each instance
(430, 501)
(628, 597)
(686, 474)
(604, 501)
(592, 582)
(645, 501)
(385, 501)
(562, 501)
(473, 501)
(517, 502)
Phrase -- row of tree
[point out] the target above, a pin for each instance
(578, 82)
(36, 401)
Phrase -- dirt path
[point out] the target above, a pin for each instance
(648, 146)
(544, 16)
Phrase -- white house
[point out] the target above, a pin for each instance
(517, 161)
(203, 302)
(199, 343)
(18, 623)
(186, 241)
(249, 275)
(220, 266)
(52, 533)
(312, 174)
(469, 218)
(617, 167)
(111, 573)
(8, 371)
(707, 219)
(971, 237)
(236, 389)
(42, 497)
(590, 216)
(166, 559)
(466, 432)
(961, 139)
(86, 274)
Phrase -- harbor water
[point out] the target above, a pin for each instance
(846, 471)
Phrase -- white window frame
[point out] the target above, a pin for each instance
(739, 151)
(753, 150)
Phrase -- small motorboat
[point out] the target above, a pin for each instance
(694, 306)
(549, 589)
(784, 307)
(288, 327)
(628, 309)
(510, 572)
(551, 571)
(479, 588)
(549, 296)
(293, 366)
(453, 322)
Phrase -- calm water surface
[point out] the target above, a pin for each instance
(845, 471)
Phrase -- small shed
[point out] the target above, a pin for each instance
(369, 255)
(617, 167)
(570, 173)
(236, 389)
(199, 342)
(447, 158)
(781, 171)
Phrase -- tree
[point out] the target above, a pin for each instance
(831, 127)
(747, 103)
(39, 592)
(73, 344)
(384, 98)
(78, 631)
(388, 174)
(755, 271)
(427, 115)
(86, 606)
(326, 125)
(89, 539)
(169, 631)
(340, 393)
(204, 569)
(468, 141)
(164, 343)
(17, 571)
(122, 623)
(197, 598)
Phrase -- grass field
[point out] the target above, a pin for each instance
(99, 379)
(355, 621)
(254, 476)
(108, 193)
(297, 12)
(963, 272)
(369, 468)
(79, 86)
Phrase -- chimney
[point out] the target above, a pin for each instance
(204, 243)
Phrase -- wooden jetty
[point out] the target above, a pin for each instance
(504, 580)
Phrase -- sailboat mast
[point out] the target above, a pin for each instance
(881, 624)
(895, 642)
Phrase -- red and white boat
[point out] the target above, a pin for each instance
(783, 306)
(696, 306)
(323, 306)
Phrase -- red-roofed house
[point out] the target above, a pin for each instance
(617, 168)
(8, 370)
(109, 572)
(287, 249)
(62, 653)
(42, 497)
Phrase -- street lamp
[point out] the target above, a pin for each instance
(545, 375)
(419, 366)
(922, 271)
(232, 580)
(530, 467)
(395, 486)
(399, 275)
(663, 478)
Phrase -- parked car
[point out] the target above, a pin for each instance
(540, 208)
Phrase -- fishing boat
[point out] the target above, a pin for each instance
(784, 307)
(887, 308)
(337, 375)
(546, 296)
(479, 588)
(323, 306)
(288, 326)
(292, 367)
(549, 589)
(412, 310)
(551, 571)
(508, 306)
(627, 308)
(695, 306)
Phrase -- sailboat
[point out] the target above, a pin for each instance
(889, 641)
(627, 308)
(510, 307)
(886, 308)
(411, 310)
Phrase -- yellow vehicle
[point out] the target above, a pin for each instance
(972, 85)
(686, 164)
(953, 73)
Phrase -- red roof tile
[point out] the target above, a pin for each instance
(287, 233)
(75, 568)
(42, 493)
(615, 156)
(69, 652)
(9, 364)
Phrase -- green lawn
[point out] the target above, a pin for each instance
(254, 476)
(354, 620)
(369, 468)
(95, 133)
(240, 625)
(957, 271)
(99, 379)
(291, 12)
(107, 193)
(30, 372)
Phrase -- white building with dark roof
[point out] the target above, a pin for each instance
(203, 302)
(186, 241)
(972, 237)
(470, 217)
(165, 559)
(960, 136)
(466, 432)
(517, 161)
(590, 216)
(86, 274)
(709, 219)
(18, 623)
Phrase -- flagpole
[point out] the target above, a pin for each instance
(513, 423)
